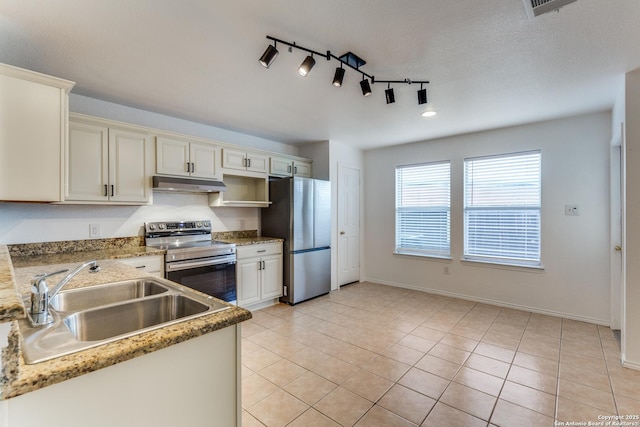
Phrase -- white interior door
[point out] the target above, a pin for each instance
(617, 205)
(348, 225)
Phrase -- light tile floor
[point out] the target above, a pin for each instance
(374, 355)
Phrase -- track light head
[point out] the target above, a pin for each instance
(306, 65)
(338, 76)
(388, 94)
(422, 96)
(269, 56)
(364, 85)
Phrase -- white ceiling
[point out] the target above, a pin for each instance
(489, 64)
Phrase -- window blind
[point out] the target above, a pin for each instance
(502, 200)
(423, 209)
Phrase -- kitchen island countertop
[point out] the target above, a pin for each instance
(18, 378)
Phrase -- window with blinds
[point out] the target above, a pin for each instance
(423, 209)
(502, 198)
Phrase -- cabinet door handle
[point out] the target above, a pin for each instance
(248, 163)
(106, 190)
(263, 266)
(188, 167)
(112, 190)
(289, 168)
(295, 170)
(245, 163)
(259, 265)
(193, 167)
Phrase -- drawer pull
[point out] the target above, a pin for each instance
(141, 266)
(262, 250)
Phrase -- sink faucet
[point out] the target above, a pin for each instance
(40, 294)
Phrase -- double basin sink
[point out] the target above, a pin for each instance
(95, 315)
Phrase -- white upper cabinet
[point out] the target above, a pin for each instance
(283, 166)
(183, 158)
(107, 165)
(33, 129)
(244, 160)
(301, 168)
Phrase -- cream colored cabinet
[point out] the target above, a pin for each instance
(183, 158)
(259, 273)
(243, 160)
(247, 189)
(152, 264)
(107, 165)
(301, 168)
(282, 166)
(33, 129)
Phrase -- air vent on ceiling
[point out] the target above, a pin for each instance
(538, 7)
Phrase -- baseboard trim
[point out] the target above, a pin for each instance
(630, 365)
(494, 302)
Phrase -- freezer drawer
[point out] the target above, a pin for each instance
(307, 275)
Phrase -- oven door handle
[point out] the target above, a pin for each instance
(183, 265)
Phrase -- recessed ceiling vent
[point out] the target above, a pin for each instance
(538, 7)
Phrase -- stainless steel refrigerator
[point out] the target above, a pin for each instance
(300, 214)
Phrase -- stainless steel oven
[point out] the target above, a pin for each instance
(213, 276)
(193, 259)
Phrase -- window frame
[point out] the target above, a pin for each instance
(439, 250)
(518, 214)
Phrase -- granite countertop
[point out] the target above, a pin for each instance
(18, 378)
(243, 241)
(20, 261)
(11, 306)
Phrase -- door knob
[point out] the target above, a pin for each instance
(342, 232)
(618, 248)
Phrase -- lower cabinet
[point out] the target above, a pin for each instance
(195, 383)
(152, 264)
(259, 273)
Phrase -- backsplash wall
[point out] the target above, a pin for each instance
(35, 222)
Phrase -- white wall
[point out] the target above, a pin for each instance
(575, 256)
(109, 110)
(29, 222)
(631, 331)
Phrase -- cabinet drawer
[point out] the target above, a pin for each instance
(250, 251)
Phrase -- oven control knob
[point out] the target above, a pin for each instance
(198, 224)
(207, 224)
(161, 226)
(152, 226)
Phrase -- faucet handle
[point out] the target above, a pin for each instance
(38, 280)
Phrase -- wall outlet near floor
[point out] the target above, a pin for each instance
(571, 210)
(94, 231)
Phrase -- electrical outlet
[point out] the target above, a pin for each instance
(446, 269)
(94, 231)
(571, 210)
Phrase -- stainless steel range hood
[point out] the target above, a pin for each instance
(187, 185)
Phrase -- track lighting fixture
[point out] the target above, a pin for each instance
(350, 60)
(338, 77)
(269, 55)
(364, 85)
(422, 96)
(306, 65)
(388, 94)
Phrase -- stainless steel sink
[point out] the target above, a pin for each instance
(112, 321)
(96, 296)
(96, 315)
